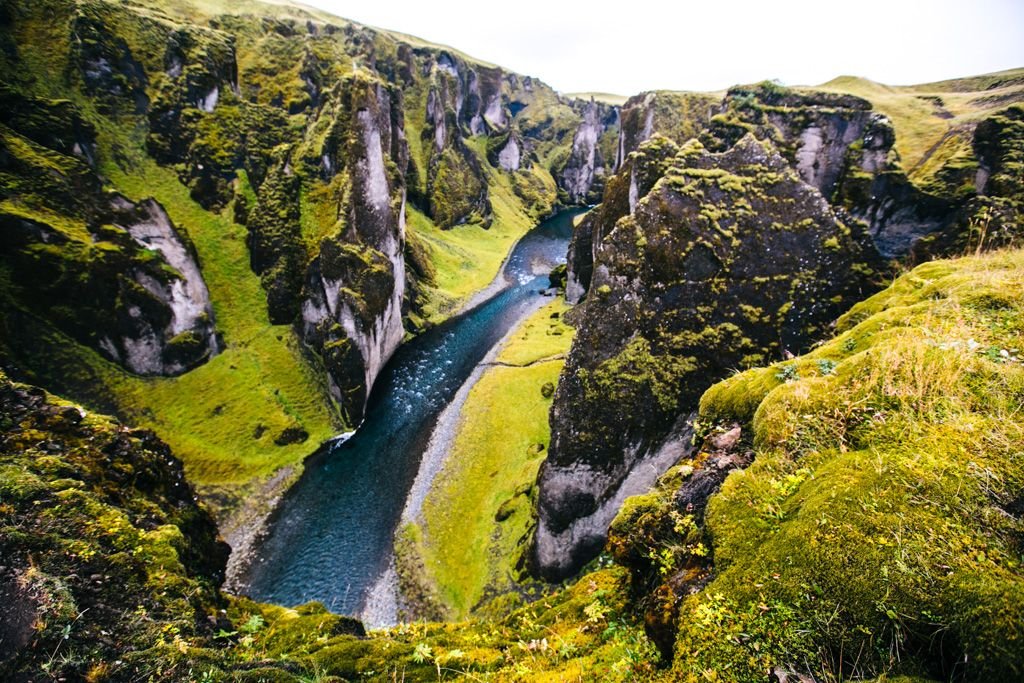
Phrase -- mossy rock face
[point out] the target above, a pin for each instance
(677, 116)
(98, 524)
(354, 289)
(457, 194)
(727, 261)
(592, 155)
(55, 124)
(106, 66)
(637, 175)
(456, 188)
(275, 248)
(839, 144)
(112, 274)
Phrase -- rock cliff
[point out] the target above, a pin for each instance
(352, 298)
(728, 260)
(115, 275)
(589, 162)
(97, 523)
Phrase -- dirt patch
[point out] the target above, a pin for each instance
(20, 614)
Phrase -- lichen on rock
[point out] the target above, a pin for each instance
(729, 260)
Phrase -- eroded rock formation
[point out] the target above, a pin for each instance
(728, 260)
(113, 274)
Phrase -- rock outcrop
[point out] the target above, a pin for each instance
(678, 116)
(992, 206)
(354, 288)
(113, 274)
(837, 145)
(188, 337)
(461, 102)
(728, 260)
(582, 178)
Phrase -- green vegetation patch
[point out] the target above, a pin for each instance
(479, 511)
(878, 530)
(467, 257)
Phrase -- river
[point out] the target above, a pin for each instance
(331, 538)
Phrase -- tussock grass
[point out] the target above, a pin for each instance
(875, 513)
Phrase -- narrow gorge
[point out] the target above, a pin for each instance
(329, 353)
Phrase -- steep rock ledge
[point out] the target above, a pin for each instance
(352, 298)
(729, 260)
(190, 333)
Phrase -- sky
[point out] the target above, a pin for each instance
(630, 46)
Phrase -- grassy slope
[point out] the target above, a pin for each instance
(605, 97)
(922, 123)
(209, 414)
(468, 257)
(872, 524)
(492, 465)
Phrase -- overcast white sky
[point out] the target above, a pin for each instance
(629, 46)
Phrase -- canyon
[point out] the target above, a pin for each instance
(528, 384)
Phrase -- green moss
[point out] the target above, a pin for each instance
(862, 524)
(455, 190)
(96, 525)
(638, 372)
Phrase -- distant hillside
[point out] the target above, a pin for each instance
(934, 121)
(606, 97)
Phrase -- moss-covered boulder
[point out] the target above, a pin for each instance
(729, 260)
(105, 550)
(115, 275)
